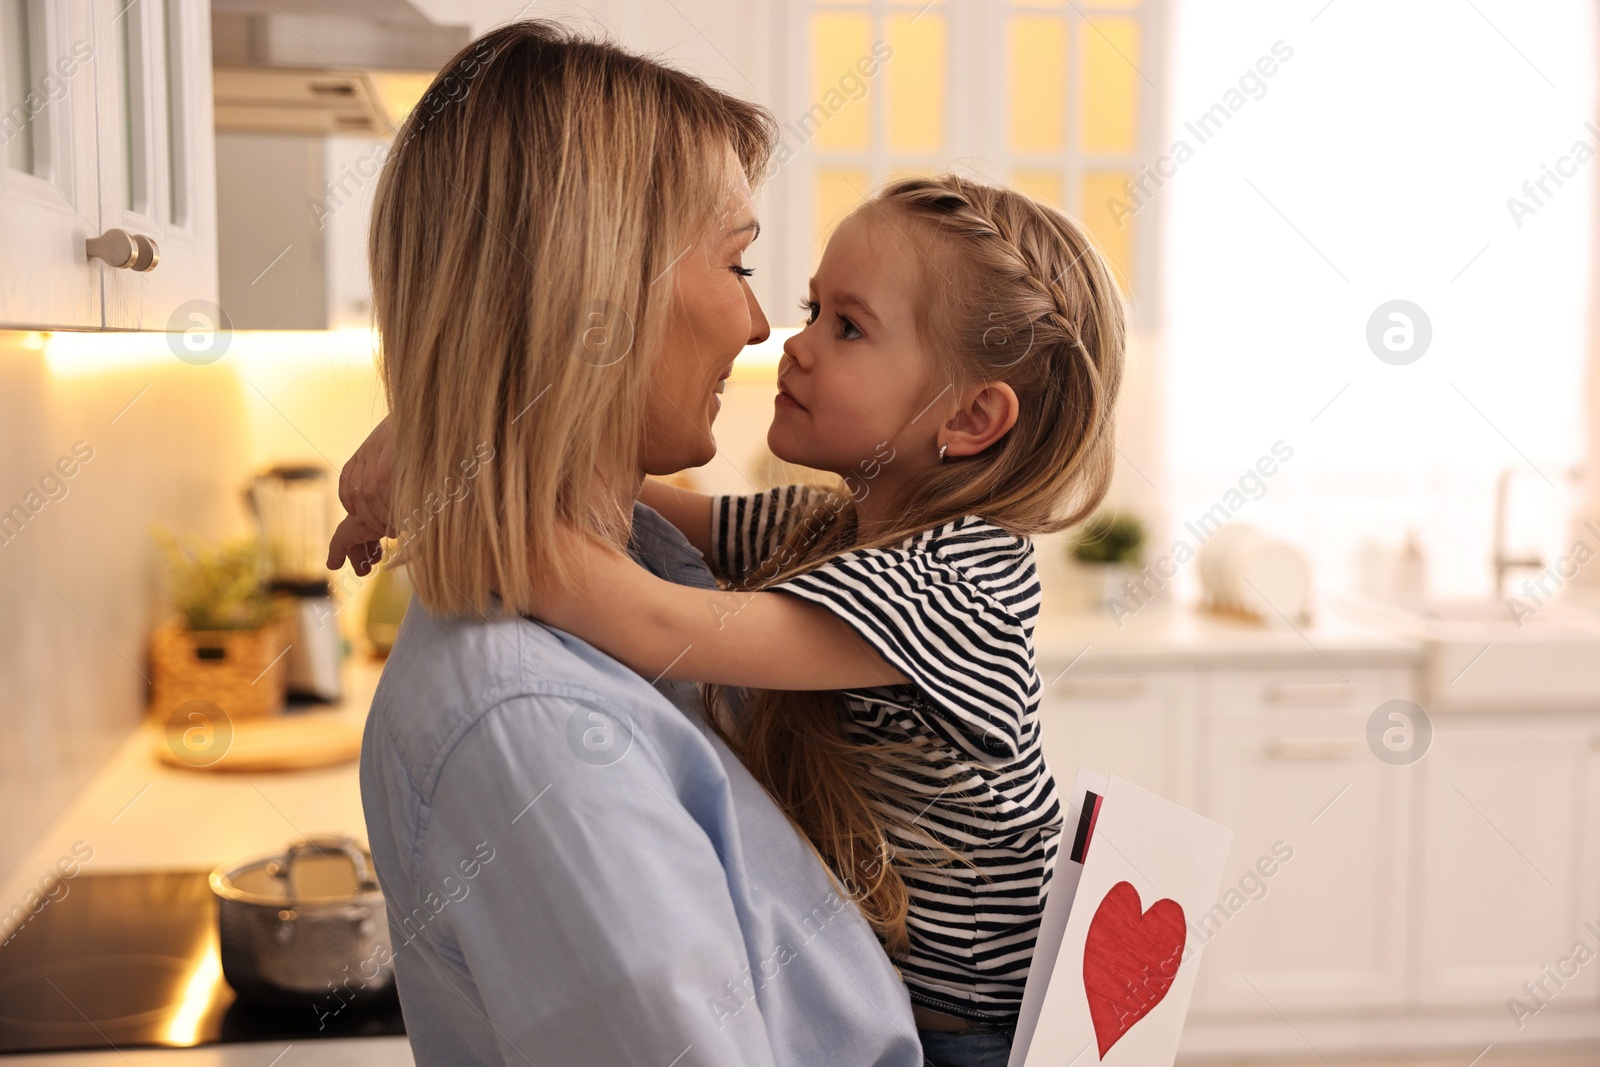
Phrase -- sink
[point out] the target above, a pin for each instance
(1469, 611)
(1480, 656)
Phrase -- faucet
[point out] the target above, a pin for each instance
(1501, 561)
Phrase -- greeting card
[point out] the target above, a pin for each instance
(1114, 965)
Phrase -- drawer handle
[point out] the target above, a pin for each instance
(1103, 688)
(1312, 747)
(331, 88)
(1311, 693)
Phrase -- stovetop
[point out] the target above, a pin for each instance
(131, 960)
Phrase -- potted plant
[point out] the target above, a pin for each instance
(228, 641)
(1110, 545)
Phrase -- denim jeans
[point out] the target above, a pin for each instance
(973, 1048)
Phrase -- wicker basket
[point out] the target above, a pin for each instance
(243, 672)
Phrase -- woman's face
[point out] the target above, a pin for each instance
(714, 315)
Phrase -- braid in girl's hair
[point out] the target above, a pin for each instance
(1016, 292)
(1010, 291)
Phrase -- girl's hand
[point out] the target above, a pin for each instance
(364, 492)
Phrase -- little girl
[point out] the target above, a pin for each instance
(958, 370)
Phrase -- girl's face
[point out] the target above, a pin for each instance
(714, 315)
(858, 375)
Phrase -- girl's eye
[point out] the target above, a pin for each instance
(847, 329)
(743, 272)
(811, 308)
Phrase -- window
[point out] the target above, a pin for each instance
(1073, 92)
(1048, 95)
(1376, 164)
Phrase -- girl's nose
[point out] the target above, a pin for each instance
(795, 349)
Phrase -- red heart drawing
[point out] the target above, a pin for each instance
(1129, 960)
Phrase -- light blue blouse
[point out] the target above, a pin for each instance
(578, 872)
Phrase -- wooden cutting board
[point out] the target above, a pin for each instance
(275, 743)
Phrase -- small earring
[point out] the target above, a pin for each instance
(941, 451)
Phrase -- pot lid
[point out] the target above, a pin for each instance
(316, 870)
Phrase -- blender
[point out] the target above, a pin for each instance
(292, 504)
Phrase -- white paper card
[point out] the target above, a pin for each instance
(1116, 989)
(1053, 923)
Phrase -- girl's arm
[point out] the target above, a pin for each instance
(689, 511)
(663, 630)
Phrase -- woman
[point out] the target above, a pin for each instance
(576, 870)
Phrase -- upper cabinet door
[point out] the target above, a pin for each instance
(156, 161)
(48, 182)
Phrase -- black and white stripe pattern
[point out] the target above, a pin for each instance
(953, 609)
(747, 530)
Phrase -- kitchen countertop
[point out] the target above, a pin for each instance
(340, 1052)
(141, 814)
(1164, 638)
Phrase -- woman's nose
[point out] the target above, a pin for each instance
(760, 329)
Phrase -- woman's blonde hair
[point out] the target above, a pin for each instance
(544, 182)
(1011, 291)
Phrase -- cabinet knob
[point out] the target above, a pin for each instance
(124, 250)
(149, 255)
(116, 247)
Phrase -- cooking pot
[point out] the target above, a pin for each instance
(304, 926)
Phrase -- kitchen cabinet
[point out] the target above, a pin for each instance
(49, 185)
(1363, 892)
(1279, 755)
(120, 138)
(1506, 872)
(1284, 761)
(1135, 726)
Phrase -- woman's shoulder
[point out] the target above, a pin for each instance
(445, 675)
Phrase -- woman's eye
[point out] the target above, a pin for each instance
(847, 329)
(743, 272)
(811, 308)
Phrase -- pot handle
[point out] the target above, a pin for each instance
(321, 845)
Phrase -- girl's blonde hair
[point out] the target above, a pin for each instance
(543, 183)
(1011, 291)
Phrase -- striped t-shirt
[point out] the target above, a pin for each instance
(952, 608)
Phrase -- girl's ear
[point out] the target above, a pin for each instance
(987, 413)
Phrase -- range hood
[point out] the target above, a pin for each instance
(307, 94)
(309, 67)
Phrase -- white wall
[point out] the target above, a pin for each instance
(171, 443)
(79, 581)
